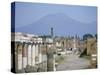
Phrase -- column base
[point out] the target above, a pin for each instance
(31, 69)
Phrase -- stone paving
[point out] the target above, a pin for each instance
(73, 62)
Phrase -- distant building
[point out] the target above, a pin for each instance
(67, 43)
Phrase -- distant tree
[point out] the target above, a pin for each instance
(85, 36)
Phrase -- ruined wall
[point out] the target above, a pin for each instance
(91, 46)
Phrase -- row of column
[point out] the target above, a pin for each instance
(27, 54)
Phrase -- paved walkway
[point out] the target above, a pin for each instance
(73, 62)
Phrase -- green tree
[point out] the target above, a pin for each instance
(85, 36)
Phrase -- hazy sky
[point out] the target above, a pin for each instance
(28, 14)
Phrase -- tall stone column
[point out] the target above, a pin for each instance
(40, 54)
(19, 52)
(24, 55)
(54, 67)
(33, 55)
(36, 53)
(29, 55)
(50, 59)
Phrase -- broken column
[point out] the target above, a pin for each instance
(50, 59)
